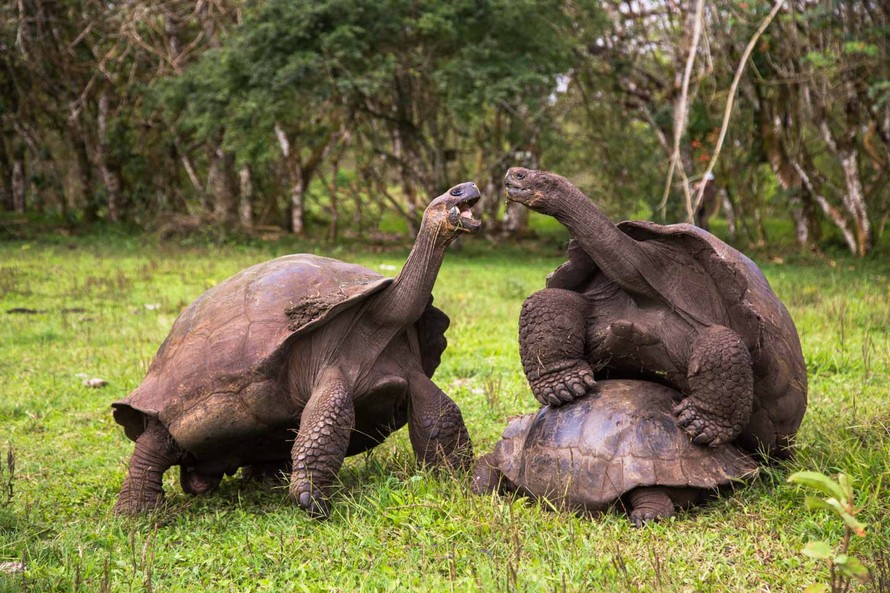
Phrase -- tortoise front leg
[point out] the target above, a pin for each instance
(649, 504)
(143, 489)
(320, 446)
(552, 341)
(436, 426)
(721, 387)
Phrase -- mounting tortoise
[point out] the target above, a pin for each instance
(301, 344)
(622, 447)
(669, 303)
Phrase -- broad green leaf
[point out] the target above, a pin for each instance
(817, 588)
(846, 485)
(851, 567)
(813, 503)
(818, 549)
(819, 481)
(836, 507)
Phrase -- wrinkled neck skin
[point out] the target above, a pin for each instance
(404, 301)
(395, 308)
(622, 259)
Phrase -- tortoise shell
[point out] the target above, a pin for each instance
(587, 453)
(217, 373)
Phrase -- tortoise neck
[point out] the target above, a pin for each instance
(404, 301)
(621, 258)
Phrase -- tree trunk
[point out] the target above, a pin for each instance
(83, 169)
(729, 212)
(108, 169)
(6, 203)
(833, 214)
(854, 198)
(333, 190)
(224, 189)
(295, 174)
(18, 183)
(515, 220)
(245, 211)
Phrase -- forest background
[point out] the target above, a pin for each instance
(338, 118)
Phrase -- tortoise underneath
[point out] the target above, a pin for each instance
(622, 446)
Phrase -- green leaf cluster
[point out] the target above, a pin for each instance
(840, 501)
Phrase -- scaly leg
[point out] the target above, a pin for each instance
(320, 446)
(721, 387)
(552, 339)
(143, 489)
(436, 427)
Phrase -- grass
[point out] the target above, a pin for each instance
(106, 304)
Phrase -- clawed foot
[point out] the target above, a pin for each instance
(312, 501)
(128, 505)
(704, 428)
(640, 517)
(195, 483)
(563, 384)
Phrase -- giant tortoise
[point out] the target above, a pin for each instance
(302, 358)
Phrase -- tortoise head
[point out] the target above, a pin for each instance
(533, 188)
(450, 214)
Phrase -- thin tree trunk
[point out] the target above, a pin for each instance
(83, 169)
(333, 190)
(854, 199)
(729, 212)
(245, 211)
(107, 168)
(18, 184)
(223, 186)
(6, 202)
(295, 173)
(833, 213)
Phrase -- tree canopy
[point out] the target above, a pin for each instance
(333, 113)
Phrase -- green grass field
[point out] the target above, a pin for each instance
(106, 305)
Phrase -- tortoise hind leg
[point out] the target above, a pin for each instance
(196, 483)
(552, 341)
(321, 443)
(143, 490)
(721, 387)
(487, 478)
(649, 504)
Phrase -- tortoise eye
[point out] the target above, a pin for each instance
(457, 192)
(520, 176)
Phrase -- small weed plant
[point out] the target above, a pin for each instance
(839, 500)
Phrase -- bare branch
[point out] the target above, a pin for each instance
(693, 206)
(682, 109)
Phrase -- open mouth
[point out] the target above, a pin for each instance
(462, 214)
(513, 191)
